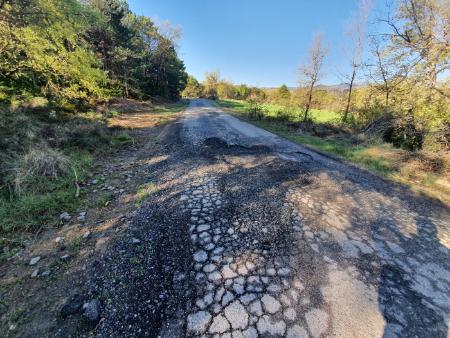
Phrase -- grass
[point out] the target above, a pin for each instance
(144, 191)
(380, 158)
(77, 139)
(44, 198)
(275, 111)
(172, 108)
(354, 153)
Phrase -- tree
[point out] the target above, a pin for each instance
(356, 32)
(226, 90)
(210, 84)
(193, 88)
(43, 51)
(385, 71)
(310, 70)
(420, 38)
(284, 93)
(243, 92)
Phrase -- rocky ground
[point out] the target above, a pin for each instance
(246, 235)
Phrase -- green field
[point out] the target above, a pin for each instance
(275, 111)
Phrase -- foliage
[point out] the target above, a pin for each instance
(44, 51)
(73, 52)
(193, 88)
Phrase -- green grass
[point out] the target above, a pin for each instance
(172, 108)
(37, 206)
(275, 111)
(353, 153)
(144, 191)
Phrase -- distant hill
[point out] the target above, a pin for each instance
(335, 87)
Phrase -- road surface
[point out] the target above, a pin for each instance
(259, 237)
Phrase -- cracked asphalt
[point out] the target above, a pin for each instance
(250, 235)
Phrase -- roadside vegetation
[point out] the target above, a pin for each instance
(391, 114)
(64, 65)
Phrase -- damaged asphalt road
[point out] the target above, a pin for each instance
(250, 235)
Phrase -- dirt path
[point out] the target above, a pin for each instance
(248, 235)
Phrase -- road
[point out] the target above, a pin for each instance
(265, 238)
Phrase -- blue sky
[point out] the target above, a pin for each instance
(258, 42)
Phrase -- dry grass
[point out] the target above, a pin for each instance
(40, 161)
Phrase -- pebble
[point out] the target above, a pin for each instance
(35, 260)
(197, 322)
(65, 217)
(92, 309)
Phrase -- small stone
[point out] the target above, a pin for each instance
(197, 322)
(250, 333)
(237, 315)
(83, 213)
(135, 241)
(270, 304)
(219, 325)
(200, 256)
(255, 308)
(209, 268)
(65, 217)
(35, 273)
(45, 273)
(72, 306)
(91, 310)
(65, 257)
(35, 260)
(59, 239)
(81, 218)
(228, 273)
(247, 298)
(238, 288)
(86, 234)
(214, 276)
(227, 298)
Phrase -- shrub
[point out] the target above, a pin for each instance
(283, 115)
(404, 134)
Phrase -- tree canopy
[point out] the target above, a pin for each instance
(76, 52)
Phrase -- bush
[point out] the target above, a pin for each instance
(404, 134)
(284, 115)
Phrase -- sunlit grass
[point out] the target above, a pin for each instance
(294, 114)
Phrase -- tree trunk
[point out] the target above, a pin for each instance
(308, 104)
(347, 108)
(387, 97)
